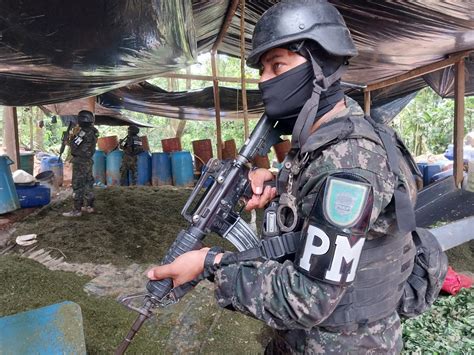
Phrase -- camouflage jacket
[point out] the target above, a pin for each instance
(131, 145)
(294, 304)
(83, 144)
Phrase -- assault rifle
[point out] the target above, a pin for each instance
(64, 139)
(209, 209)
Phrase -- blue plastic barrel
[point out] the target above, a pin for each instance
(56, 166)
(33, 196)
(429, 171)
(144, 169)
(182, 168)
(98, 169)
(8, 197)
(113, 162)
(160, 169)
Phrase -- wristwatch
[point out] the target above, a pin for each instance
(211, 256)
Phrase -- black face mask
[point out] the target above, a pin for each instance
(85, 124)
(285, 95)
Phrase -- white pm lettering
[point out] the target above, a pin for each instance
(343, 251)
(311, 249)
(347, 252)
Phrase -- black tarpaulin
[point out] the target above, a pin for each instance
(107, 120)
(392, 37)
(193, 105)
(442, 81)
(54, 51)
(50, 52)
(199, 104)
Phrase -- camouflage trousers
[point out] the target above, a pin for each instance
(82, 183)
(381, 337)
(129, 165)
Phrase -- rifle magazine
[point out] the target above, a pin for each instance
(241, 235)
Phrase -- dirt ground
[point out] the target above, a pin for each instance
(132, 224)
(132, 229)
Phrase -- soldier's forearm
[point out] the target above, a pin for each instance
(277, 294)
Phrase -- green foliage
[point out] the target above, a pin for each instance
(427, 123)
(446, 329)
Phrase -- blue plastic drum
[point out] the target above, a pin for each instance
(182, 168)
(56, 166)
(98, 169)
(113, 162)
(144, 169)
(8, 196)
(161, 169)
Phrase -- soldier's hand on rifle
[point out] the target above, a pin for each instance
(185, 267)
(261, 195)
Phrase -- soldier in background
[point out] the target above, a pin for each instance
(82, 144)
(131, 146)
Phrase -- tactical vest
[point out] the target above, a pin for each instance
(385, 261)
(83, 143)
(132, 145)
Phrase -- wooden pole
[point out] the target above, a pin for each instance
(243, 84)
(31, 129)
(12, 143)
(459, 91)
(367, 102)
(228, 19)
(453, 58)
(217, 106)
(206, 78)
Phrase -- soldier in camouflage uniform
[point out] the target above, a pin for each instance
(345, 201)
(131, 146)
(82, 145)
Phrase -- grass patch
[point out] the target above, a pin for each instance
(28, 285)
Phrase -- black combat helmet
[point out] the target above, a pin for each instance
(295, 20)
(85, 116)
(133, 129)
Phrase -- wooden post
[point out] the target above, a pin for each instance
(243, 84)
(227, 21)
(217, 105)
(12, 143)
(459, 90)
(31, 129)
(367, 102)
(39, 133)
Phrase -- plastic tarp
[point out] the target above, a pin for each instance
(50, 52)
(193, 105)
(199, 104)
(107, 120)
(53, 51)
(442, 81)
(392, 37)
(103, 115)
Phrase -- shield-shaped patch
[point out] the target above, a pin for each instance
(344, 201)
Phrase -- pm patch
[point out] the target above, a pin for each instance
(344, 201)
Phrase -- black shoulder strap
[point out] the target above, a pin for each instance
(403, 205)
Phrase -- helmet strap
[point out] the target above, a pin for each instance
(302, 128)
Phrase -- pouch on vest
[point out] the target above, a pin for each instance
(429, 271)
